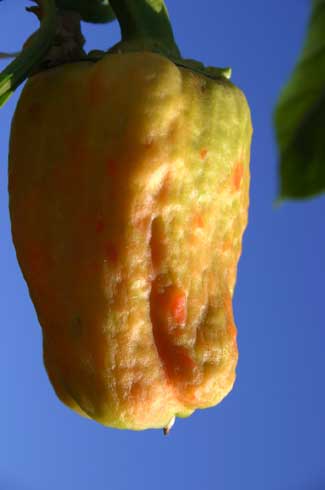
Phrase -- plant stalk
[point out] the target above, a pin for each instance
(145, 23)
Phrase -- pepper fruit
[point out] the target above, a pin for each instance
(129, 190)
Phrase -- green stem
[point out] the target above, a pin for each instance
(145, 23)
(17, 71)
(8, 55)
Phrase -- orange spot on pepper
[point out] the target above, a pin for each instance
(167, 307)
(177, 306)
(238, 175)
(172, 304)
(203, 153)
(232, 330)
(198, 221)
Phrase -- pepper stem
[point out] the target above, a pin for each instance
(17, 71)
(145, 23)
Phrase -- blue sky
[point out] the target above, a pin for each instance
(269, 433)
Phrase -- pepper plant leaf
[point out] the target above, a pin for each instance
(95, 11)
(17, 71)
(300, 117)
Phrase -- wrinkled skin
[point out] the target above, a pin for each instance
(129, 190)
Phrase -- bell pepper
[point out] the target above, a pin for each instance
(129, 191)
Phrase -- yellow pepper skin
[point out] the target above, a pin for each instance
(129, 191)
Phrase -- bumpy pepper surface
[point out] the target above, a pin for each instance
(129, 190)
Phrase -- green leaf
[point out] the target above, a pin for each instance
(17, 71)
(4, 98)
(96, 11)
(300, 117)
